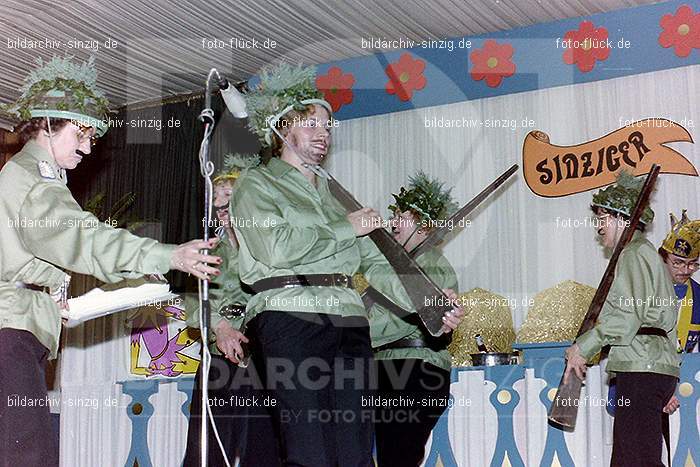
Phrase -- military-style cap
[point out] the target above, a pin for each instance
(61, 88)
(622, 197)
(281, 89)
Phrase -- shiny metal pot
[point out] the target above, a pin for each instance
(495, 358)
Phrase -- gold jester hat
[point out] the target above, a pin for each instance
(684, 238)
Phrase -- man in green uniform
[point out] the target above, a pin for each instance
(298, 251)
(638, 322)
(44, 231)
(401, 345)
(245, 431)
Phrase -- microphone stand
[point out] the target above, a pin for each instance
(206, 170)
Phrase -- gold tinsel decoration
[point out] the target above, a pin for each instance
(557, 313)
(487, 314)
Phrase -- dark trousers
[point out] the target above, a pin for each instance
(420, 392)
(316, 368)
(26, 436)
(637, 433)
(244, 424)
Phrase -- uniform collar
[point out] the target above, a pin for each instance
(36, 152)
(278, 167)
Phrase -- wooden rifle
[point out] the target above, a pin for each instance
(419, 287)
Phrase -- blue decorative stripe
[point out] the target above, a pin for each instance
(139, 412)
(537, 57)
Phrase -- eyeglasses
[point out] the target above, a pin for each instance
(678, 264)
(85, 133)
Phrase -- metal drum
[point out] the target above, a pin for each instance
(495, 358)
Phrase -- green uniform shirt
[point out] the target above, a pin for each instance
(287, 226)
(386, 327)
(641, 295)
(43, 229)
(227, 291)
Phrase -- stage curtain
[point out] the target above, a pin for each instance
(518, 243)
(153, 153)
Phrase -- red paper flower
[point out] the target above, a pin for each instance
(336, 87)
(405, 76)
(492, 62)
(681, 31)
(585, 46)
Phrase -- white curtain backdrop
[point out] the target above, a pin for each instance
(94, 359)
(514, 245)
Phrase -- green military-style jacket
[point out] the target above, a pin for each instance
(386, 327)
(286, 226)
(43, 229)
(227, 291)
(641, 295)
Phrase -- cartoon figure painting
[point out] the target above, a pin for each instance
(151, 328)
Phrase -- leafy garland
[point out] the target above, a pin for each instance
(426, 198)
(78, 82)
(279, 87)
(622, 196)
(235, 164)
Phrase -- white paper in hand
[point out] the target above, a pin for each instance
(97, 302)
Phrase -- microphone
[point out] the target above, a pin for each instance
(232, 98)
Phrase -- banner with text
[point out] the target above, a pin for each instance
(553, 171)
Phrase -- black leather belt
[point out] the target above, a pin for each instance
(232, 311)
(404, 344)
(652, 332)
(303, 280)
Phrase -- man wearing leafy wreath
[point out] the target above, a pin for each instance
(638, 322)
(298, 251)
(400, 344)
(47, 232)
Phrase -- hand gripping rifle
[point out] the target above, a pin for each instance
(564, 408)
(371, 296)
(417, 284)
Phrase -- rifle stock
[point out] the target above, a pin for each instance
(417, 284)
(564, 408)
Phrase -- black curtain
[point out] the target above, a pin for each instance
(152, 153)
